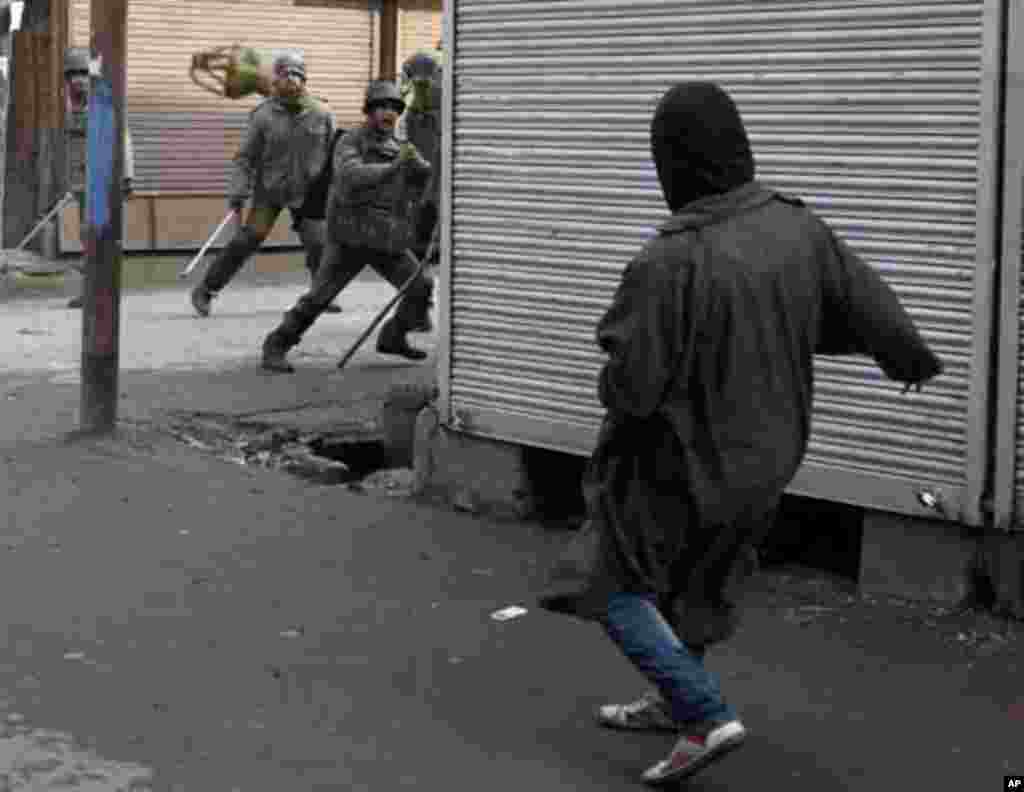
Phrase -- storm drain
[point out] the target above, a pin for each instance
(347, 457)
(359, 458)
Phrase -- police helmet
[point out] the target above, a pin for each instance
(383, 92)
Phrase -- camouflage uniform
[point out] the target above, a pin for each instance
(284, 151)
(366, 210)
(421, 126)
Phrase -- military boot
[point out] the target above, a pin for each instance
(276, 345)
(413, 312)
(423, 325)
(421, 322)
(224, 267)
(392, 341)
(201, 300)
(275, 351)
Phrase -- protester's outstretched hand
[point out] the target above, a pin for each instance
(927, 370)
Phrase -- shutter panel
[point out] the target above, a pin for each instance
(881, 115)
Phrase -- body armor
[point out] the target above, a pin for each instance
(375, 214)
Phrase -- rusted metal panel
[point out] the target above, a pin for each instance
(186, 150)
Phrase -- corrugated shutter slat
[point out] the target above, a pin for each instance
(870, 111)
(178, 121)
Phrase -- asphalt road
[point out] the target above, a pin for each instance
(172, 621)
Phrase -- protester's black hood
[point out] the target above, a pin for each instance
(699, 144)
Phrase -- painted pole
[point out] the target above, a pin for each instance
(105, 166)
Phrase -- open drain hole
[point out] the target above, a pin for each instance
(360, 457)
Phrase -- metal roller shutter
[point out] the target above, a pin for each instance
(184, 136)
(881, 115)
(1008, 443)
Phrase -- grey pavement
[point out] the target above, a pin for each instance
(173, 621)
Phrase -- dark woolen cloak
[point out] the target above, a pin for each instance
(708, 384)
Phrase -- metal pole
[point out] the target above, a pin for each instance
(105, 166)
(46, 219)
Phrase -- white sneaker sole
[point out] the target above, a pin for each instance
(729, 742)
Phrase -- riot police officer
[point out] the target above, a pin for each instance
(284, 150)
(421, 126)
(377, 184)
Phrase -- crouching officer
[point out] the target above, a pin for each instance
(284, 151)
(376, 186)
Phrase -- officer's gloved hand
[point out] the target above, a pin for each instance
(410, 158)
(422, 95)
(407, 153)
(236, 204)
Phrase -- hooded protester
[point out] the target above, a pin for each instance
(283, 154)
(708, 388)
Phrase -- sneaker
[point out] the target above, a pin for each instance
(201, 300)
(647, 713)
(695, 751)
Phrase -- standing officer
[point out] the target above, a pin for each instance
(284, 151)
(76, 135)
(369, 223)
(421, 126)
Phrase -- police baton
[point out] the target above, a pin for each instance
(202, 251)
(46, 219)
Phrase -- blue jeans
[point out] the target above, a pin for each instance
(636, 626)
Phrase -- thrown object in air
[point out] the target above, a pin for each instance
(233, 71)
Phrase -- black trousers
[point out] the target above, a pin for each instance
(259, 221)
(340, 264)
